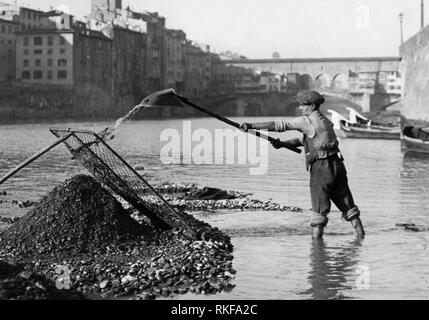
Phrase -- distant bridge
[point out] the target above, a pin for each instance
(322, 72)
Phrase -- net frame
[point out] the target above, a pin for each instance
(111, 170)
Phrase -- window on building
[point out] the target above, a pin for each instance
(62, 51)
(37, 74)
(62, 41)
(50, 41)
(26, 75)
(50, 62)
(62, 74)
(62, 62)
(38, 41)
(38, 51)
(38, 63)
(25, 52)
(9, 29)
(50, 51)
(26, 41)
(50, 74)
(26, 63)
(3, 29)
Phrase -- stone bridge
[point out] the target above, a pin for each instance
(313, 73)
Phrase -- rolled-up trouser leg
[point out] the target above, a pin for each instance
(318, 219)
(351, 214)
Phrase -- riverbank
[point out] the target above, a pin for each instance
(92, 243)
(79, 232)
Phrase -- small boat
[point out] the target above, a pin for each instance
(416, 139)
(360, 127)
(358, 131)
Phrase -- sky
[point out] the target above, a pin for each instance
(293, 28)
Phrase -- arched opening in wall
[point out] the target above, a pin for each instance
(340, 82)
(305, 82)
(323, 81)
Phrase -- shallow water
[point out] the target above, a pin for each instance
(275, 257)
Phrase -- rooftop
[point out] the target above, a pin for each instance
(8, 21)
(296, 60)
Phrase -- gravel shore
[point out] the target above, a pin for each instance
(80, 235)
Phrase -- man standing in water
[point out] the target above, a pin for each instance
(328, 176)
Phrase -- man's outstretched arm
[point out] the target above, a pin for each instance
(291, 143)
(269, 126)
(301, 124)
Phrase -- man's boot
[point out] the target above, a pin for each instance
(357, 224)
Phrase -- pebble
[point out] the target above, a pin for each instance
(104, 284)
(26, 274)
(128, 279)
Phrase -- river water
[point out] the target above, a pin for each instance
(274, 255)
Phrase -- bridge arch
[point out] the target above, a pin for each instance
(340, 82)
(305, 82)
(323, 81)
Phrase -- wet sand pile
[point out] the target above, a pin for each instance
(191, 197)
(82, 228)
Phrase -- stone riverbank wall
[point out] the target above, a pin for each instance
(415, 69)
(36, 102)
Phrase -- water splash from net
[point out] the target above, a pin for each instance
(110, 132)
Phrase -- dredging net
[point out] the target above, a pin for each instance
(110, 169)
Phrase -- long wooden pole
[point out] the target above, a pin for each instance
(33, 158)
(232, 123)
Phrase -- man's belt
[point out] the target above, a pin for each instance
(327, 154)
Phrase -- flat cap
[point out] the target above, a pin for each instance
(310, 97)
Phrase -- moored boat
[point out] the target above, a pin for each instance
(359, 127)
(358, 131)
(416, 139)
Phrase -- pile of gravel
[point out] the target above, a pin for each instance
(80, 226)
(76, 217)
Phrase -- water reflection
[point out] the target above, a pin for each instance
(413, 157)
(329, 267)
(414, 186)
